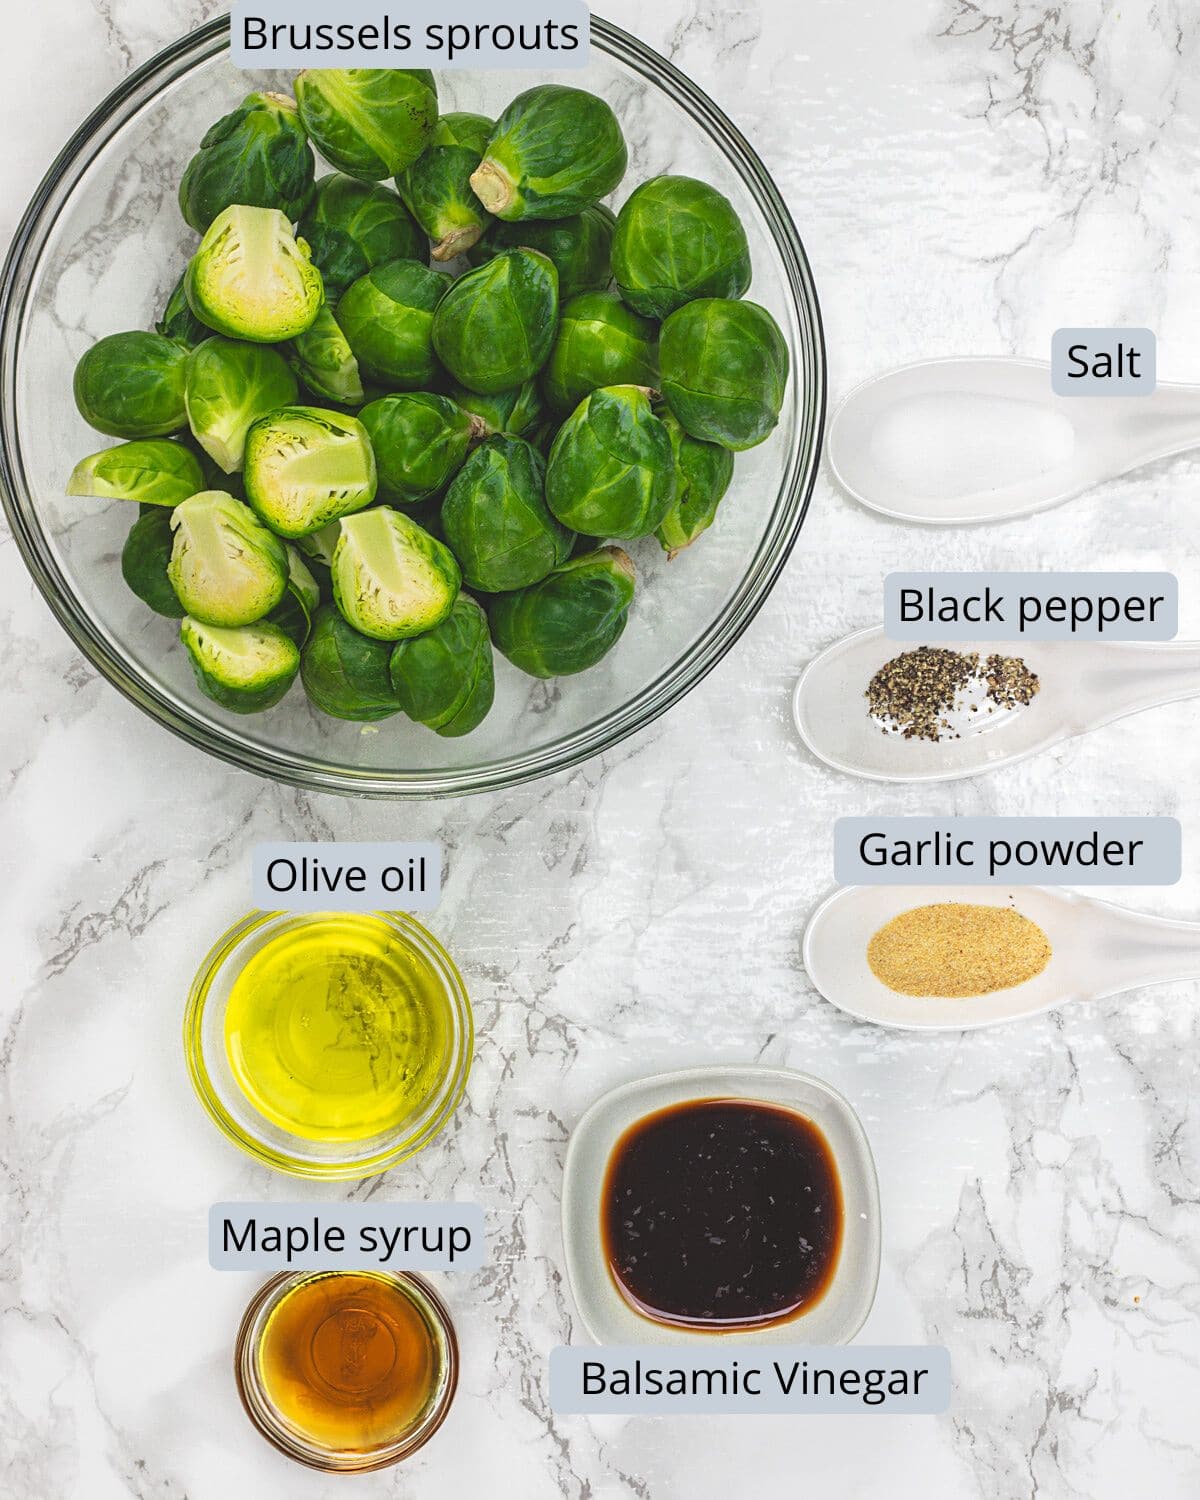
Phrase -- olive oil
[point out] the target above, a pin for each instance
(338, 1030)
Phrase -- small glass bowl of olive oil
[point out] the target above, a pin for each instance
(330, 1045)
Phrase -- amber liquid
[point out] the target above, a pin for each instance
(349, 1362)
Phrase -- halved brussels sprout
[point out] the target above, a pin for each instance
(346, 674)
(153, 471)
(131, 385)
(580, 247)
(246, 669)
(437, 187)
(391, 579)
(323, 359)
(226, 568)
(353, 226)
(703, 472)
(257, 155)
(507, 413)
(420, 442)
(494, 327)
(144, 559)
(306, 466)
(445, 679)
(294, 612)
(229, 386)
(253, 279)
(678, 239)
(179, 322)
(724, 371)
(611, 470)
(496, 519)
(387, 317)
(368, 122)
(318, 546)
(554, 152)
(599, 342)
(569, 620)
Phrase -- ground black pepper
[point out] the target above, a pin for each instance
(915, 693)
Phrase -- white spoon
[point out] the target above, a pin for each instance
(1098, 950)
(948, 442)
(1084, 684)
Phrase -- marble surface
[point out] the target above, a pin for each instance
(966, 178)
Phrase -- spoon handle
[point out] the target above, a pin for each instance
(1136, 950)
(1166, 423)
(1142, 677)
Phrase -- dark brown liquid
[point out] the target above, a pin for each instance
(722, 1213)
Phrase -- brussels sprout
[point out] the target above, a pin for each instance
(253, 279)
(245, 669)
(724, 371)
(387, 317)
(437, 187)
(511, 413)
(153, 472)
(569, 620)
(611, 470)
(226, 568)
(678, 239)
(318, 546)
(353, 226)
(703, 472)
(229, 386)
(368, 122)
(555, 151)
(496, 519)
(144, 559)
(445, 679)
(294, 612)
(420, 442)
(179, 322)
(599, 342)
(391, 579)
(130, 385)
(258, 155)
(346, 674)
(323, 359)
(494, 327)
(306, 467)
(580, 247)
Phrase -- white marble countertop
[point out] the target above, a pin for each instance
(966, 178)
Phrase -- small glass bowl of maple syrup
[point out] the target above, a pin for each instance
(346, 1371)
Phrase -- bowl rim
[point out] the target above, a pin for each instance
(305, 770)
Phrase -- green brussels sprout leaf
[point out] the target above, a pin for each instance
(599, 342)
(579, 246)
(322, 358)
(611, 470)
(179, 322)
(512, 413)
(437, 187)
(496, 520)
(494, 328)
(144, 559)
(257, 155)
(152, 471)
(131, 385)
(353, 226)
(346, 674)
(387, 317)
(368, 122)
(420, 442)
(230, 385)
(703, 472)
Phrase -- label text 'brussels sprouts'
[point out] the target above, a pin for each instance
(465, 34)
(347, 877)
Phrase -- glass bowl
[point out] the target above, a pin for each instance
(99, 250)
(257, 1135)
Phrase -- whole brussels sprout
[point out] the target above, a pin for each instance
(306, 466)
(253, 279)
(724, 371)
(580, 247)
(352, 226)
(229, 386)
(496, 519)
(678, 239)
(437, 187)
(569, 620)
(445, 679)
(554, 152)
(179, 322)
(153, 471)
(599, 342)
(226, 568)
(368, 122)
(703, 472)
(131, 385)
(387, 317)
(512, 413)
(144, 559)
(294, 612)
(420, 442)
(391, 579)
(322, 358)
(246, 669)
(611, 470)
(345, 674)
(494, 327)
(258, 155)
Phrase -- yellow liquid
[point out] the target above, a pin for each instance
(338, 1030)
